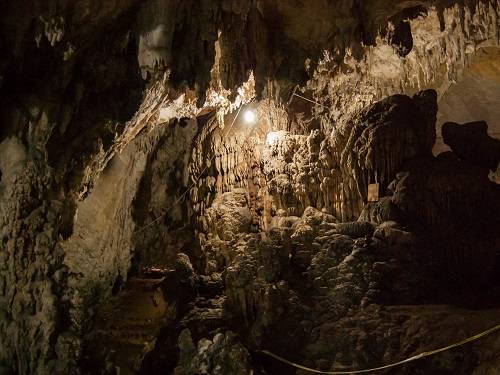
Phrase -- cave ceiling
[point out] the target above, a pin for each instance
(122, 149)
(170, 59)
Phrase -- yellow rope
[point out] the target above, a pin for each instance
(309, 100)
(414, 358)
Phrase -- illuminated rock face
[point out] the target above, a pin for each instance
(119, 157)
(331, 173)
(293, 263)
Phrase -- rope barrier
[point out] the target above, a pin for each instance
(178, 200)
(309, 100)
(411, 359)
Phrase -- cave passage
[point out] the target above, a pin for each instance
(186, 186)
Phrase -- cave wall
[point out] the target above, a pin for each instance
(284, 172)
(99, 252)
(59, 108)
(162, 223)
(362, 292)
(54, 284)
(33, 276)
(474, 96)
(443, 42)
(70, 84)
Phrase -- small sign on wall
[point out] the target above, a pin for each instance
(373, 192)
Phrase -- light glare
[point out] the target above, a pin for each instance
(249, 116)
(272, 137)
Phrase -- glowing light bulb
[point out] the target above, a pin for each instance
(249, 116)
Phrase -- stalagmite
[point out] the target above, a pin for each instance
(188, 185)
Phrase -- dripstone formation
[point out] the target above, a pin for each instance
(151, 224)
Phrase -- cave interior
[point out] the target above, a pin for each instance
(232, 187)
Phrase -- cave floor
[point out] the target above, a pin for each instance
(127, 326)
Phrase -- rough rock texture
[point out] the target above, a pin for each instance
(474, 96)
(96, 163)
(160, 212)
(466, 210)
(223, 355)
(316, 293)
(444, 40)
(333, 172)
(329, 293)
(33, 278)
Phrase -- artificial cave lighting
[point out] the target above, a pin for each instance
(250, 187)
(249, 116)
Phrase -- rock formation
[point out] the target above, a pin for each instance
(146, 227)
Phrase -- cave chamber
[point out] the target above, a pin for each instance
(186, 187)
